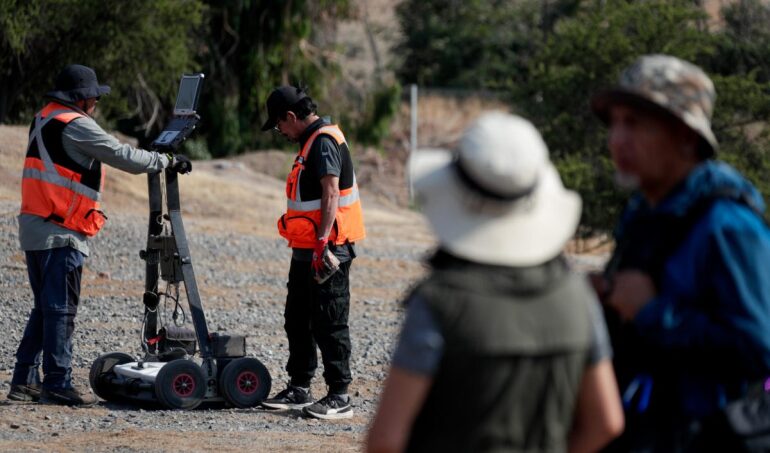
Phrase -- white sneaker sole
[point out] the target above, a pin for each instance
(285, 406)
(22, 399)
(11, 401)
(332, 416)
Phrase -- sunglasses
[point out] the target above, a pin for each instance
(278, 121)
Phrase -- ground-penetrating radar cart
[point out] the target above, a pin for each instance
(180, 368)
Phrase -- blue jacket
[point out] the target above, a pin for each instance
(707, 332)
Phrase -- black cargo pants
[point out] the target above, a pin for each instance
(318, 315)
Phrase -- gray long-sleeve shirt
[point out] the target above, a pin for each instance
(85, 142)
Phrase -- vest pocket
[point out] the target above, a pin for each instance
(298, 228)
(86, 217)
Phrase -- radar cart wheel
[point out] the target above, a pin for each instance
(102, 371)
(245, 382)
(180, 384)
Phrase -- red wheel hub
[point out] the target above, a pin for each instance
(247, 382)
(183, 385)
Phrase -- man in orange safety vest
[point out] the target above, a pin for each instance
(323, 220)
(60, 209)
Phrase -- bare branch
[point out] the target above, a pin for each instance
(154, 102)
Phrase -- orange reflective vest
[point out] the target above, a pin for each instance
(53, 185)
(301, 223)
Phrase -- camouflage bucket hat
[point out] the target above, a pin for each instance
(677, 87)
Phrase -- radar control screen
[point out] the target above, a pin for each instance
(187, 97)
(185, 119)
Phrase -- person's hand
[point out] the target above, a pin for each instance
(180, 164)
(318, 254)
(631, 290)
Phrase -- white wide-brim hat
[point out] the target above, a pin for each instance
(488, 219)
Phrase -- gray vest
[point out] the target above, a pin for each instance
(516, 346)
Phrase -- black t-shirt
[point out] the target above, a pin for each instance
(324, 158)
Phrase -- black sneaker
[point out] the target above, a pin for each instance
(24, 392)
(290, 398)
(67, 397)
(331, 407)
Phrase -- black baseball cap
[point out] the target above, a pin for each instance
(76, 82)
(280, 101)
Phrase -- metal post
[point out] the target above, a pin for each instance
(152, 257)
(190, 285)
(413, 110)
(413, 130)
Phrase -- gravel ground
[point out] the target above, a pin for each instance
(242, 279)
(242, 282)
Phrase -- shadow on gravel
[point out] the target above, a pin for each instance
(129, 406)
(137, 406)
(286, 413)
(148, 406)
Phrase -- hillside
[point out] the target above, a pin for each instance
(244, 192)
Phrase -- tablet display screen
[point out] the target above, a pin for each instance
(187, 99)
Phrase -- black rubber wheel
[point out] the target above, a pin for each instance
(180, 384)
(245, 382)
(101, 371)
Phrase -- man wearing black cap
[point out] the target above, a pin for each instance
(61, 190)
(323, 215)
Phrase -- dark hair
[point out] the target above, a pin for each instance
(303, 108)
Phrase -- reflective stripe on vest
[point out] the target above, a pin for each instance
(55, 191)
(347, 198)
(303, 217)
(59, 180)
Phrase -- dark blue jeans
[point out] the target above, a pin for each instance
(55, 279)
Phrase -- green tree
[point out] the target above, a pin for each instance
(741, 72)
(584, 54)
(552, 55)
(250, 47)
(139, 48)
(474, 43)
